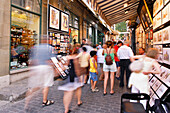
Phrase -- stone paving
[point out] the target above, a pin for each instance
(92, 102)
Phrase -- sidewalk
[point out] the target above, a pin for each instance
(12, 99)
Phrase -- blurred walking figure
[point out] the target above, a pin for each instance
(109, 51)
(84, 62)
(139, 79)
(41, 74)
(100, 60)
(93, 71)
(124, 54)
(141, 51)
(73, 82)
(116, 47)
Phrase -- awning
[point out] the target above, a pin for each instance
(114, 10)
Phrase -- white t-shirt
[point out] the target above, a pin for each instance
(100, 57)
(124, 52)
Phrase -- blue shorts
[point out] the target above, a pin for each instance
(117, 64)
(93, 76)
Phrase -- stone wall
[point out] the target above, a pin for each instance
(4, 41)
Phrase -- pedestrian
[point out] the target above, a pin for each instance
(139, 79)
(73, 82)
(109, 52)
(84, 62)
(41, 71)
(83, 42)
(124, 54)
(100, 61)
(116, 47)
(141, 51)
(93, 71)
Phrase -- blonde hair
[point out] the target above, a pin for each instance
(152, 53)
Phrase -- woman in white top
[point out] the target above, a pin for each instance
(140, 80)
(149, 63)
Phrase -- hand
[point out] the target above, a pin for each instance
(146, 73)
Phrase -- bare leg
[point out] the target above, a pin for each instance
(112, 82)
(85, 78)
(92, 85)
(45, 94)
(106, 74)
(102, 75)
(78, 93)
(95, 82)
(67, 100)
(29, 95)
(118, 72)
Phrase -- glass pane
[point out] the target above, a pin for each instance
(24, 34)
(32, 5)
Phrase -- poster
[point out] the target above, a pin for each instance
(152, 81)
(166, 55)
(165, 15)
(64, 22)
(161, 90)
(157, 6)
(54, 19)
(166, 35)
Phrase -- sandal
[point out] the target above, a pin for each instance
(47, 103)
(80, 104)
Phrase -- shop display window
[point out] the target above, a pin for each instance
(32, 5)
(24, 34)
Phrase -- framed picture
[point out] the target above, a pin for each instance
(160, 58)
(166, 55)
(152, 81)
(161, 90)
(64, 22)
(159, 37)
(159, 47)
(156, 85)
(157, 6)
(166, 35)
(54, 17)
(165, 15)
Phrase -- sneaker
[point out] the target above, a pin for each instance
(95, 90)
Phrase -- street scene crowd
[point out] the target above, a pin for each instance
(115, 60)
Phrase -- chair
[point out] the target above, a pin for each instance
(134, 107)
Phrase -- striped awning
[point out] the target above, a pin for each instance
(114, 10)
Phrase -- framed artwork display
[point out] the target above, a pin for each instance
(160, 58)
(166, 55)
(165, 15)
(54, 18)
(161, 90)
(159, 47)
(156, 85)
(64, 22)
(158, 20)
(152, 81)
(157, 6)
(166, 35)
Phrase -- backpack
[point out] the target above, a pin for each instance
(108, 59)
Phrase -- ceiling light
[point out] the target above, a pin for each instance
(27, 7)
(126, 4)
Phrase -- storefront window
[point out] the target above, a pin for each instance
(73, 27)
(32, 5)
(24, 34)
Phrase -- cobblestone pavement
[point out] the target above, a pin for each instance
(92, 102)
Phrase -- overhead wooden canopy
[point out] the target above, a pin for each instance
(114, 10)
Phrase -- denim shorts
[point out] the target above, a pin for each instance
(111, 68)
(117, 63)
(93, 76)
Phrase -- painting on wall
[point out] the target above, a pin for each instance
(54, 18)
(166, 55)
(64, 22)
